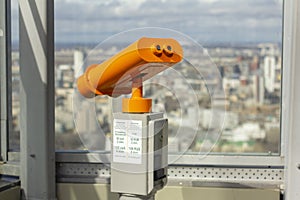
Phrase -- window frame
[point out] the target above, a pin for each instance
(291, 113)
(5, 75)
(228, 159)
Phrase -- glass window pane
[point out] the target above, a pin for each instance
(242, 38)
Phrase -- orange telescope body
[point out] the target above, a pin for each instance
(124, 72)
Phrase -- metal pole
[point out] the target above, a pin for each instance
(37, 99)
(5, 76)
(291, 68)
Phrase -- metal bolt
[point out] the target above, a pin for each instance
(161, 138)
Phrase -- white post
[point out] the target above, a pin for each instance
(291, 69)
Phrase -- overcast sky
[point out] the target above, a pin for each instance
(207, 21)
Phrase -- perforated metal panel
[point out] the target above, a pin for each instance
(226, 176)
(82, 172)
(181, 175)
(214, 173)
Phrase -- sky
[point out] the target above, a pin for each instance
(206, 21)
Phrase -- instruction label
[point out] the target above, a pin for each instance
(127, 141)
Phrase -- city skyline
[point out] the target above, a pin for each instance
(250, 78)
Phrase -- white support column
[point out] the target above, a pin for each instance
(37, 99)
(5, 77)
(291, 69)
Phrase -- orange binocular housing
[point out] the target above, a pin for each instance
(124, 72)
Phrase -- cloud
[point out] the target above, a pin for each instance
(203, 20)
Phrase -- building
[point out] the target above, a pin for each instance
(272, 66)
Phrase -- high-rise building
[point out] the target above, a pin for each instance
(269, 49)
(271, 66)
(86, 119)
(258, 89)
(78, 57)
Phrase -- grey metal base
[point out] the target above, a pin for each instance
(145, 165)
(133, 197)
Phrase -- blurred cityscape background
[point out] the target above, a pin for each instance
(250, 77)
(243, 40)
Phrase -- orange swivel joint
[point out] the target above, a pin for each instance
(125, 72)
